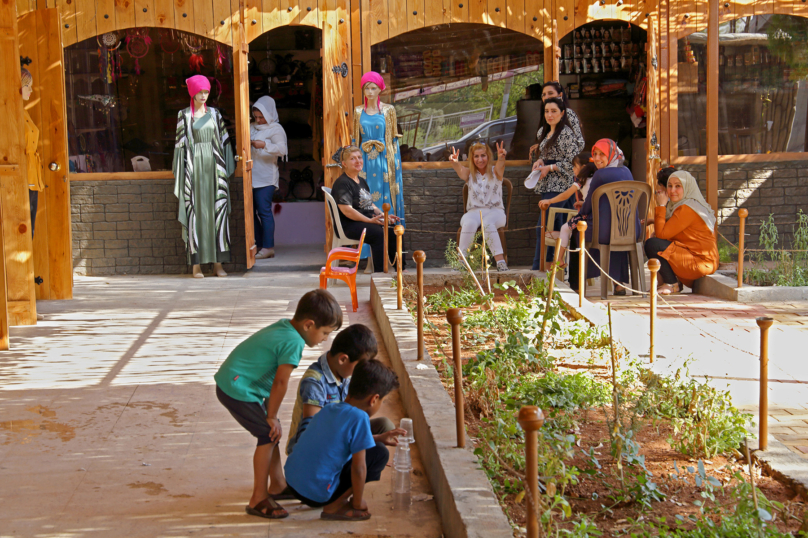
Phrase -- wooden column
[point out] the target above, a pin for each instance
(712, 106)
(16, 212)
(652, 111)
(241, 53)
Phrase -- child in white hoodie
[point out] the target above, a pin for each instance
(268, 140)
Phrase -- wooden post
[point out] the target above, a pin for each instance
(541, 239)
(712, 106)
(742, 213)
(386, 209)
(419, 256)
(399, 231)
(531, 419)
(549, 295)
(764, 324)
(653, 266)
(455, 317)
(582, 268)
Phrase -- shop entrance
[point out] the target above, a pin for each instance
(285, 64)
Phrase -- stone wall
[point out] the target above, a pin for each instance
(777, 188)
(131, 227)
(433, 200)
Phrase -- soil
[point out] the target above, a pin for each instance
(590, 495)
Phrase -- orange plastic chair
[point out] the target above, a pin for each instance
(346, 274)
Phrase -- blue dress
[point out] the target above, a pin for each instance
(381, 170)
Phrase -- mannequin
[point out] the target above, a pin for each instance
(33, 161)
(203, 162)
(376, 133)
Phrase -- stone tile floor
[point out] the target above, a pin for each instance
(720, 340)
(109, 425)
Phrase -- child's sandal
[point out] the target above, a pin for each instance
(268, 509)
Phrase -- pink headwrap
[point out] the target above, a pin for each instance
(196, 84)
(375, 78)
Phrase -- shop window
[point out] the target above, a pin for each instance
(455, 84)
(285, 64)
(603, 72)
(123, 92)
(763, 91)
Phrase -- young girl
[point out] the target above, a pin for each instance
(584, 170)
(485, 197)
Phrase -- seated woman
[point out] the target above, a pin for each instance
(685, 242)
(608, 158)
(357, 212)
(485, 197)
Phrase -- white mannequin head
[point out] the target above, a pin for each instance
(371, 91)
(200, 99)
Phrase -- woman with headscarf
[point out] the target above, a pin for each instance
(268, 140)
(608, 159)
(685, 242)
(203, 162)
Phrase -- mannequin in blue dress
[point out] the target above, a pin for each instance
(376, 133)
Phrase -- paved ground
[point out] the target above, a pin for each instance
(109, 425)
(721, 340)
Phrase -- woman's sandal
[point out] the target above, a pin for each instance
(619, 291)
(347, 513)
(669, 289)
(268, 509)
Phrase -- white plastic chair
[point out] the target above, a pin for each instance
(339, 239)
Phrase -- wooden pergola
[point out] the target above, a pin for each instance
(42, 28)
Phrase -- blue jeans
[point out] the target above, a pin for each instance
(560, 219)
(264, 221)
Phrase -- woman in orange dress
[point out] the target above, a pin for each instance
(685, 239)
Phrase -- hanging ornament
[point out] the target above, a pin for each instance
(223, 59)
(109, 56)
(194, 45)
(169, 44)
(137, 45)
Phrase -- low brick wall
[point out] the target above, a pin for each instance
(778, 188)
(131, 227)
(433, 200)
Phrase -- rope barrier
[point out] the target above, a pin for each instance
(415, 230)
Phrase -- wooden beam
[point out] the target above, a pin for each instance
(712, 105)
(356, 53)
(10, 149)
(122, 176)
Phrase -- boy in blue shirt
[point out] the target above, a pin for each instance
(252, 382)
(326, 382)
(336, 456)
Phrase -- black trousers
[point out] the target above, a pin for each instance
(375, 460)
(375, 238)
(653, 247)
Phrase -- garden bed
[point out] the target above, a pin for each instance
(663, 462)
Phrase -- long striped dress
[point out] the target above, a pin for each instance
(203, 162)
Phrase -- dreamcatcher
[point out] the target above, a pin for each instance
(169, 44)
(223, 59)
(109, 56)
(194, 45)
(137, 45)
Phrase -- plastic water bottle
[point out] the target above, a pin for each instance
(402, 481)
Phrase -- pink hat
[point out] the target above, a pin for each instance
(196, 84)
(375, 78)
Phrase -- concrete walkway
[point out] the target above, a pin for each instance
(720, 340)
(109, 424)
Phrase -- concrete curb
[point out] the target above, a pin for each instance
(724, 287)
(465, 498)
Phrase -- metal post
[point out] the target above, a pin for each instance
(764, 324)
(653, 266)
(455, 317)
(582, 269)
(742, 213)
(531, 419)
(541, 239)
(420, 257)
(399, 231)
(386, 209)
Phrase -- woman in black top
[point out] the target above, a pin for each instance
(357, 211)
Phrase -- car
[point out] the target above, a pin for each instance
(492, 132)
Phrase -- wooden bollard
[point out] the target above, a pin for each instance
(582, 269)
(419, 256)
(531, 419)
(455, 317)
(653, 266)
(742, 213)
(541, 244)
(764, 324)
(549, 295)
(399, 231)
(386, 209)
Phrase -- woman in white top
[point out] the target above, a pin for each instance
(485, 197)
(268, 140)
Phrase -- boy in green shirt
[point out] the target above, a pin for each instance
(252, 382)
